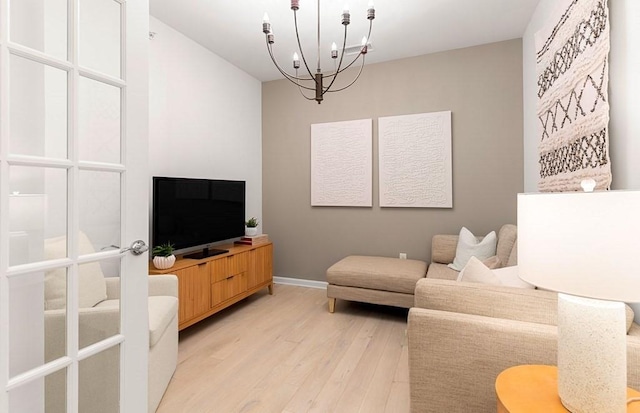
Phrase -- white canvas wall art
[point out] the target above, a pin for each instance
(342, 163)
(414, 156)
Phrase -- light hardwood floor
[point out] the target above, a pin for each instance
(287, 354)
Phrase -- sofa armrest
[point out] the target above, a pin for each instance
(455, 358)
(163, 285)
(443, 248)
(510, 303)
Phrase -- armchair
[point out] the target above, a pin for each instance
(99, 373)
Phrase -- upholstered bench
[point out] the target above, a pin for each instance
(376, 280)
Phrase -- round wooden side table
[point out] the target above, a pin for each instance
(534, 389)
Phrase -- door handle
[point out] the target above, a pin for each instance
(137, 247)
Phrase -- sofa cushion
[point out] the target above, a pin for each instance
(441, 272)
(377, 273)
(469, 246)
(162, 309)
(513, 257)
(507, 237)
(92, 287)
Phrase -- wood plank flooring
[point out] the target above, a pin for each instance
(286, 353)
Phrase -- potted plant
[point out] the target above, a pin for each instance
(163, 257)
(252, 226)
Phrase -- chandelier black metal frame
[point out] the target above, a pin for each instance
(315, 82)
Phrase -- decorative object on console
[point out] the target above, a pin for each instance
(253, 240)
(585, 244)
(341, 163)
(314, 82)
(414, 158)
(573, 104)
(251, 226)
(163, 257)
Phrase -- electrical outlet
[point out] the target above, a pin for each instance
(403, 255)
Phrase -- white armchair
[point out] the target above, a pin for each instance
(99, 374)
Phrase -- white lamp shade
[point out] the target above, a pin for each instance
(584, 244)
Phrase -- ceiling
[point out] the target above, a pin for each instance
(232, 29)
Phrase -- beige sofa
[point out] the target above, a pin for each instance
(462, 335)
(392, 281)
(98, 374)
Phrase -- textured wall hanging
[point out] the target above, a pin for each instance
(342, 163)
(573, 105)
(414, 156)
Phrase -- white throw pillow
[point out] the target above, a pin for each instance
(468, 246)
(92, 285)
(509, 277)
(476, 272)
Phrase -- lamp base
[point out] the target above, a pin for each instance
(592, 355)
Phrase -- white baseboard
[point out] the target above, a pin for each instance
(301, 282)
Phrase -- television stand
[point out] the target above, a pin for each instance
(206, 252)
(209, 285)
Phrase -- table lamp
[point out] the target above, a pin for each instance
(585, 245)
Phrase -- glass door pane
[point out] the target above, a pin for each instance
(100, 36)
(40, 25)
(38, 107)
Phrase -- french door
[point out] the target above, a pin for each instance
(73, 196)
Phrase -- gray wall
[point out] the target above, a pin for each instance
(482, 86)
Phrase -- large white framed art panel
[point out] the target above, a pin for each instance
(414, 156)
(342, 163)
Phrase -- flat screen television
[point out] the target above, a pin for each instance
(197, 213)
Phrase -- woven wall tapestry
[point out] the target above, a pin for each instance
(573, 104)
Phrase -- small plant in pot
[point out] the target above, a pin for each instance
(252, 226)
(163, 257)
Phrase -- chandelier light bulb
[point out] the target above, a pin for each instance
(371, 11)
(266, 26)
(345, 9)
(364, 41)
(296, 61)
(334, 50)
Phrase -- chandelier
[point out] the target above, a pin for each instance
(315, 82)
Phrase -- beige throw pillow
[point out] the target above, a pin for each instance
(469, 246)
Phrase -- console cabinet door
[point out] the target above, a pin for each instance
(261, 266)
(193, 285)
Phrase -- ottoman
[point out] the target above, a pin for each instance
(376, 280)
